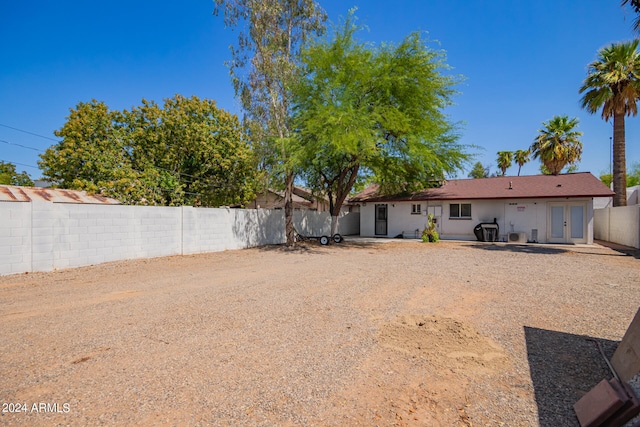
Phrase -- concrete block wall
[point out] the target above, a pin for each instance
(618, 225)
(210, 230)
(43, 236)
(72, 235)
(15, 237)
(312, 223)
(601, 224)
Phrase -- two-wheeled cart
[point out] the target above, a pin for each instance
(324, 240)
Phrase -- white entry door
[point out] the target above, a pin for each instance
(567, 223)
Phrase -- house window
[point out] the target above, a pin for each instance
(416, 210)
(460, 210)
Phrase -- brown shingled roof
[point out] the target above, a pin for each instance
(582, 184)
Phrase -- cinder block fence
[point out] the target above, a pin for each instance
(618, 225)
(43, 236)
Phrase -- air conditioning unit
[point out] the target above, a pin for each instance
(517, 238)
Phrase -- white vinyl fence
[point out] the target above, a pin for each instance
(43, 236)
(619, 225)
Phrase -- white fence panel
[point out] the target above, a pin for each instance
(43, 236)
(619, 225)
(15, 237)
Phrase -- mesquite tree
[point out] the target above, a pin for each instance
(376, 111)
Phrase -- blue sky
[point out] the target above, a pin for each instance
(523, 63)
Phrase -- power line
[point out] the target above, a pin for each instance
(21, 164)
(23, 146)
(30, 133)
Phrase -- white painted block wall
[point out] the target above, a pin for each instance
(15, 237)
(618, 225)
(43, 236)
(312, 223)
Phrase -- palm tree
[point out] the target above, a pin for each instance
(557, 144)
(635, 5)
(613, 84)
(521, 157)
(504, 161)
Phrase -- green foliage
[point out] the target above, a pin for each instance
(557, 144)
(479, 171)
(263, 68)
(9, 175)
(635, 7)
(188, 152)
(613, 85)
(613, 82)
(504, 161)
(633, 176)
(377, 111)
(521, 157)
(567, 169)
(430, 233)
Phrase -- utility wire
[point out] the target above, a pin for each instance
(30, 133)
(23, 146)
(21, 164)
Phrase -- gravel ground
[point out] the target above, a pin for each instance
(361, 333)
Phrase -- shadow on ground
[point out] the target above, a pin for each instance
(527, 249)
(563, 368)
(313, 246)
(622, 249)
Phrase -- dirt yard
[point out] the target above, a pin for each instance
(361, 333)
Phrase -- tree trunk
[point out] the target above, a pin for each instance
(334, 223)
(288, 209)
(343, 190)
(619, 161)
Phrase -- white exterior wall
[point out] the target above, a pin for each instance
(511, 215)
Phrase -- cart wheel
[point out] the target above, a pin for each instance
(324, 240)
(337, 238)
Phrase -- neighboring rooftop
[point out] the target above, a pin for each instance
(14, 193)
(582, 184)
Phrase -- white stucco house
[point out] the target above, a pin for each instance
(539, 208)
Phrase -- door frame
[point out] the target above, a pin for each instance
(381, 221)
(566, 232)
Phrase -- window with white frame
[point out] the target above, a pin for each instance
(460, 210)
(416, 209)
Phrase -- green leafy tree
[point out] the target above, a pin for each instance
(263, 69)
(479, 171)
(633, 176)
(199, 152)
(557, 144)
(9, 175)
(521, 157)
(613, 85)
(188, 152)
(504, 161)
(92, 155)
(373, 111)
